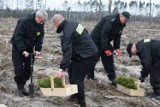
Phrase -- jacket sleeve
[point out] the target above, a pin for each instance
(67, 51)
(117, 41)
(19, 36)
(146, 61)
(105, 42)
(38, 46)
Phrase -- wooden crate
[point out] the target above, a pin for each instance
(131, 92)
(68, 89)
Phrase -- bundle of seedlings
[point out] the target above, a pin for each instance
(46, 83)
(127, 82)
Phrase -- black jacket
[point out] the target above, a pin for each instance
(149, 53)
(108, 29)
(76, 43)
(28, 34)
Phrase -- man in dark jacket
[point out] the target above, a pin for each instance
(28, 35)
(149, 53)
(78, 53)
(107, 30)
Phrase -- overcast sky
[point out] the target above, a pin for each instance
(57, 4)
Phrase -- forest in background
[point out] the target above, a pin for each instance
(89, 10)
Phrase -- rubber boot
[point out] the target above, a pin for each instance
(114, 84)
(73, 98)
(20, 90)
(156, 93)
(156, 97)
(26, 93)
(113, 79)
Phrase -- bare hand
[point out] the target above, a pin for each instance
(37, 53)
(59, 73)
(26, 54)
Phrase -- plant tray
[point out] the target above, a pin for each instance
(68, 89)
(131, 92)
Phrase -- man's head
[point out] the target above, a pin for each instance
(41, 16)
(124, 17)
(57, 20)
(131, 49)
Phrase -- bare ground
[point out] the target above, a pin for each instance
(99, 92)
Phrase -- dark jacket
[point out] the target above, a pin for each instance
(149, 53)
(28, 34)
(76, 43)
(108, 29)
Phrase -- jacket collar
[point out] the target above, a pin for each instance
(118, 20)
(32, 18)
(61, 26)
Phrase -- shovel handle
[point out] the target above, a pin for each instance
(32, 54)
(31, 85)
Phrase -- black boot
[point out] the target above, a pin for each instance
(73, 98)
(156, 94)
(112, 78)
(20, 90)
(114, 84)
(20, 94)
(26, 93)
(156, 97)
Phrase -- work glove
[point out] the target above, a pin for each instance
(59, 73)
(141, 79)
(25, 53)
(108, 52)
(118, 52)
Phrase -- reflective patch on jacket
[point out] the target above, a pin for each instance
(146, 40)
(38, 34)
(80, 29)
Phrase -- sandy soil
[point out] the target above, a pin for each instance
(99, 92)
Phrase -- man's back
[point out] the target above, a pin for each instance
(151, 47)
(98, 28)
(82, 44)
(108, 21)
(107, 30)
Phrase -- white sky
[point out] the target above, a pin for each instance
(57, 4)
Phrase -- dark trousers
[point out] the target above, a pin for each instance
(108, 64)
(21, 68)
(77, 70)
(155, 78)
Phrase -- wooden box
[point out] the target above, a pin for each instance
(68, 89)
(131, 92)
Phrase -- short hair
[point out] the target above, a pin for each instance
(41, 13)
